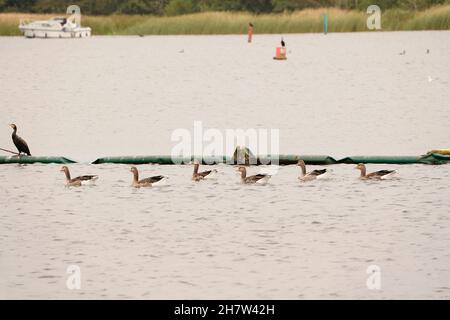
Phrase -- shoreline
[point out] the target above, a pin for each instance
(228, 35)
(235, 23)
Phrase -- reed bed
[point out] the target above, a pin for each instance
(305, 21)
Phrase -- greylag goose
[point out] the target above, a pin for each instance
(382, 174)
(316, 174)
(78, 181)
(20, 144)
(197, 176)
(259, 178)
(147, 182)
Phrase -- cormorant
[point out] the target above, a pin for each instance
(282, 43)
(20, 144)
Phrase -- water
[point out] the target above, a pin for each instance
(340, 94)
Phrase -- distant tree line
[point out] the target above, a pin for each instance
(176, 7)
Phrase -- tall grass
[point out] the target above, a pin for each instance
(310, 20)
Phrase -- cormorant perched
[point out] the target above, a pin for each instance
(282, 43)
(20, 144)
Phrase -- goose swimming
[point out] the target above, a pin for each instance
(382, 174)
(258, 178)
(316, 174)
(20, 144)
(147, 182)
(78, 181)
(197, 176)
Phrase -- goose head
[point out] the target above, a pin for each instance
(134, 169)
(301, 163)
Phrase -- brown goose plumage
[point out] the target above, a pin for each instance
(147, 182)
(382, 174)
(78, 181)
(258, 178)
(197, 176)
(309, 176)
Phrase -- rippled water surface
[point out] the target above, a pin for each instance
(340, 94)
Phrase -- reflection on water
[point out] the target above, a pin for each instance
(342, 94)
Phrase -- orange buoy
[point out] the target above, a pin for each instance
(280, 53)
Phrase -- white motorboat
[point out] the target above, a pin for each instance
(54, 28)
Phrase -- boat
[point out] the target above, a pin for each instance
(58, 27)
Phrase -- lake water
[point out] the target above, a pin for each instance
(340, 95)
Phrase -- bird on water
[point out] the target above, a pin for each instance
(147, 182)
(382, 174)
(197, 176)
(78, 181)
(316, 174)
(20, 144)
(256, 179)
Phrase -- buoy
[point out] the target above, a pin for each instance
(280, 54)
(250, 32)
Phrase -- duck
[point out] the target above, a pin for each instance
(20, 144)
(382, 174)
(147, 182)
(258, 179)
(78, 181)
(197, 176)
(316, 174)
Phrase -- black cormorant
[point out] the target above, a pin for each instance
(282, 43)
(20, 144)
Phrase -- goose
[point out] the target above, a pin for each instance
(316, 174)
(197, 176)
(147, 182)
(382, 174)
(78, 181)
(20, 144)
(259, 178)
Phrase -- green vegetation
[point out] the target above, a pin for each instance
(307, 20)
(177, 7)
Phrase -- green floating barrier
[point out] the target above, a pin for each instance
(434, 158)
(282, 159)
(293, 159)
(430, 158)
(31, 160)
(380, 159)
